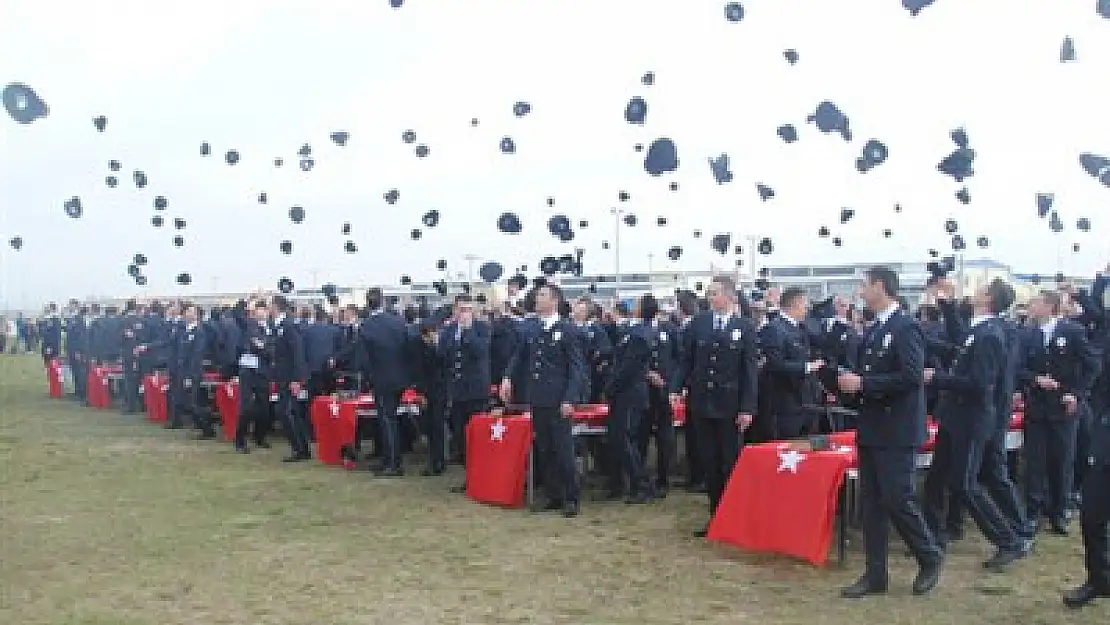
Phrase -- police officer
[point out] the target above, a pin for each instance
(464, 347)
(720, 373)
(255, 368)
(385, 351)
(188, 366)
(890, 386)
(658, 421)
(551, 368)
(429, 380)
(290, 374)
(1058, 371)
(627, 391)
(51, 334)
(967, 410)
(1094, 514)
(788, 372)
(134, 334)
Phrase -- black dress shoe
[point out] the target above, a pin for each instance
(1059, 527)
(390, 472)
(294, 458)
(703, 532)
(863, 587)
(550, 505)
(459, 490)
(1004, 557)
(430, 472)
(206, 435)
(1084, 594)
(242, 449)
(927, 578)
(570, 509)
(262, 444)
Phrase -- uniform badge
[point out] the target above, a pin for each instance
(1061, 342)
(970, 340)
(736, 335)
(556, 335)
(887, 338)
(662, 337)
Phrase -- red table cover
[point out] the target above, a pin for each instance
(155, 387)
(497, 449)
(98, 394)
(227, 405)
(55, 378)
(781, 500)
(335, 423)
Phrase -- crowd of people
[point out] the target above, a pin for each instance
(748, 367)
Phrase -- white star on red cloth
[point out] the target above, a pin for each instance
(497, 430)
(789, 460)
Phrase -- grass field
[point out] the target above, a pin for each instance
(107, 520)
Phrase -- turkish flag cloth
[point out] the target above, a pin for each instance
(98, 393)
(155, 387)
(55, 377)
(782, 500)
(497, 458)
(227, 405)
(335, 423)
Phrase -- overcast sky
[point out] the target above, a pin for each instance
(265, 77)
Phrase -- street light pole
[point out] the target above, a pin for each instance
(617, 215)
(470, 258)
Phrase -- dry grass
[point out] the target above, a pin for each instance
(109, 520)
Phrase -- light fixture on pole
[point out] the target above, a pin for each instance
(618, 214)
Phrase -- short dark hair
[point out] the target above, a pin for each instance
(791, 295)
(463, 298)
(649, 307)
(688, 303)
(1053, 299)
(885, 276)
(1000, 295)
(374, 298)
(726, 283)
(554, 290)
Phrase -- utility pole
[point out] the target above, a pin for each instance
(753, 242)
(618, 214)
(470, 259)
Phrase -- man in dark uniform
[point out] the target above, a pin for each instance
(688, 308)
(1094, 513)
(596, 345)
(322, 342)
(76, 346)
(289, 374)
(429, 378)
(720, 373)
(788, 382)
(627, 391)
(891, 427)
(134, 335)
(255, 369)
(385, 353)
(464, 347)
(967, 410)
(51, 334)
(188, 366)
(658, 422)
(1058, 370)
(552, 370)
